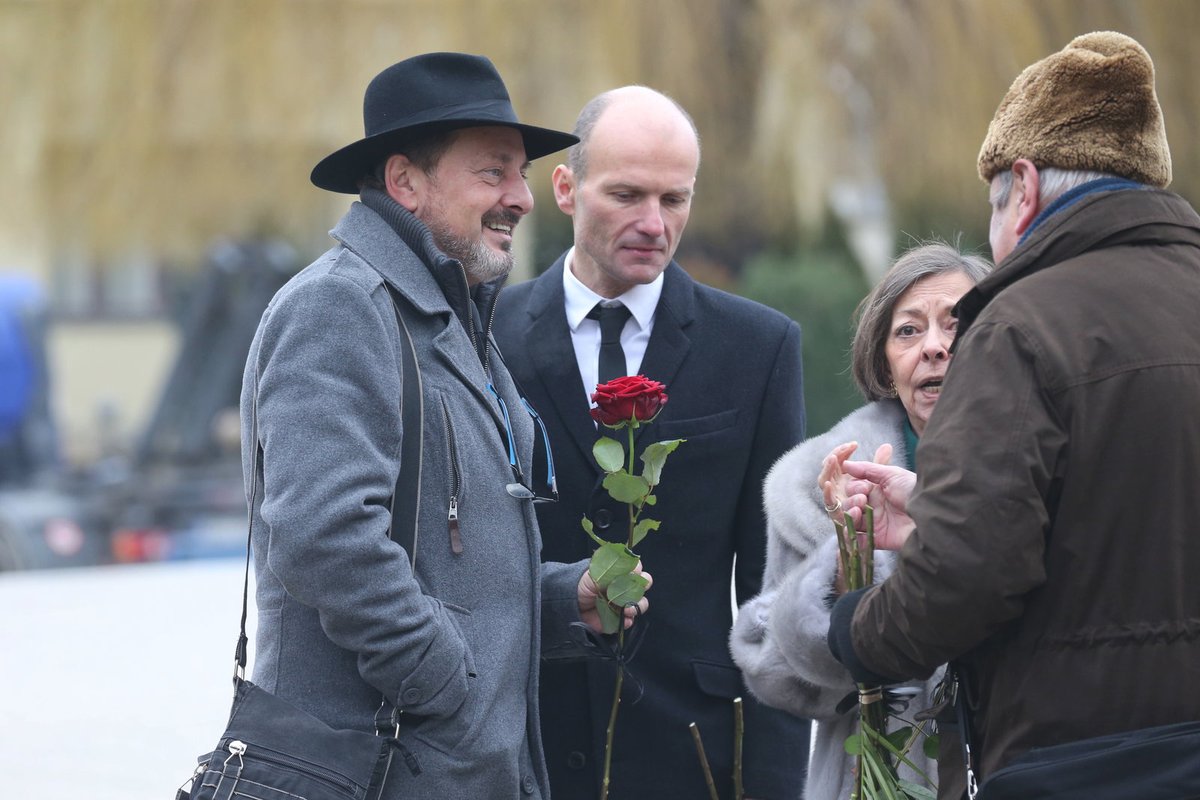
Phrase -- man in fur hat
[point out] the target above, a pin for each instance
(1052, 554)
(349, 622)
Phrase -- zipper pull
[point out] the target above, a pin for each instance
(455, 539)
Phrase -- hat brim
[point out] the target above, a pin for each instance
(342, 170)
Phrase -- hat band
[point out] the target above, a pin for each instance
(499, 111)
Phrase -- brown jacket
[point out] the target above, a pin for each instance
(1056, 552)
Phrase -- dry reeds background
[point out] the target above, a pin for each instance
(137, 133)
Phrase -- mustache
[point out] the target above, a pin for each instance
(505, 217)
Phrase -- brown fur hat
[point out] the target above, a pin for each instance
(1090, 106)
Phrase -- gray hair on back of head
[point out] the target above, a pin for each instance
(1052, 184)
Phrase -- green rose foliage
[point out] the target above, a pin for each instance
(625, 404)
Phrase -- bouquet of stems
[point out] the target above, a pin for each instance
(877, 752)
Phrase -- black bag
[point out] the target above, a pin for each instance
(272, 750)
(1160, 763)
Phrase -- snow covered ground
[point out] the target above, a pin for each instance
(113, 679)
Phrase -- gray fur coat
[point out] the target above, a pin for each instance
(779, 637)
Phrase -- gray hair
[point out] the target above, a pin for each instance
(873, 317)
(1053, 183)
(590, 115)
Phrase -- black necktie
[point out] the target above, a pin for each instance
(612, 321)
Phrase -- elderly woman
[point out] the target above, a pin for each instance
(899, 357)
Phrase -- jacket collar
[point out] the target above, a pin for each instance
(447, 273)
(1100, 219)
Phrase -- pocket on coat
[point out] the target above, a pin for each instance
(718, 680)
(697, 427)
(446, 734)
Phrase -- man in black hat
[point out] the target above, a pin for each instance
(349, 622)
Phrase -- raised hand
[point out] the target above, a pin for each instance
(886, 489)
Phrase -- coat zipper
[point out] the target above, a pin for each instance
(487, 344)
(456, 545)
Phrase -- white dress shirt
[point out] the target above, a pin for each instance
(641, 301)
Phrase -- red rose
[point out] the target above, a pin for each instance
(633, 397)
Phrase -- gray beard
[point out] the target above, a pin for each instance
(481, 263)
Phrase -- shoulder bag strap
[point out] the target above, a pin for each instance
(962, 699)
(406, 500)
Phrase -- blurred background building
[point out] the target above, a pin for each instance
(156, 160)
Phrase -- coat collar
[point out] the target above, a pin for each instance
(553, 356)
(399, 253)
(367, 235)
(671, 340)
(469, 305)
(1103, 219)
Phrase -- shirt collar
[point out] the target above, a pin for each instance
(641, 300)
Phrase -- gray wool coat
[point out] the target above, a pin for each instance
(779, 637)
(343, 621)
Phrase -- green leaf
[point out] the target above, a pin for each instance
(930, 745)
(655, 456)
(587, 527)
(626, 488)
(627, 589)
(642, 528)
(610, 561)
(854, 744)
(883, 778)
(610, 620)
(609, 454)
(879, 743)
(650, 500)
(900, 738)
(916, 791)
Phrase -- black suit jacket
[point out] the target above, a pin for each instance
(733, 375)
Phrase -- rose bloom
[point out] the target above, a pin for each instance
(633, 397)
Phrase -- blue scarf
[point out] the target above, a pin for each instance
(910, 445)
(1070, 198)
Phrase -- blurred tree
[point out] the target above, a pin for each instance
(819, 289)
(140, 131)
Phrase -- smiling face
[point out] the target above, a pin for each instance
(632, 203)
(474, 198)
(918, 342)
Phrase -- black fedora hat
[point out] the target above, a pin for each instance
(425, 93)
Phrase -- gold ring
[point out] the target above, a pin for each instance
(833, 509)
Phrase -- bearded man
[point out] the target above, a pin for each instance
(450, 634)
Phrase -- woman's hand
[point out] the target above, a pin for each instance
(837, 489)
(886, 489)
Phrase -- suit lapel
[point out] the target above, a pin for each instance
(670, 342)
(553, 358)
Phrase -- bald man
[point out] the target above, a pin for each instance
(733, 374)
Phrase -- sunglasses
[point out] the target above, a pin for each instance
(520, 488)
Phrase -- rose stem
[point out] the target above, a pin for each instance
(708, 778)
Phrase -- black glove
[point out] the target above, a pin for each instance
(841, 643)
